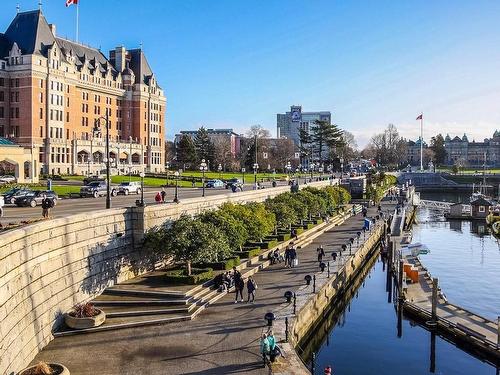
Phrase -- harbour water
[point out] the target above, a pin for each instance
(363, 339)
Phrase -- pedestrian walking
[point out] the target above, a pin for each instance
(293, 257)
(264, 349)
(321, 253)
(272, 345)
(294, 234)
(47, 204)
(163, 195)
(251, 288)
(288, 262)
(239, 285)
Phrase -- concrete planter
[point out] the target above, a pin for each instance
(57, 369)
(84, 323)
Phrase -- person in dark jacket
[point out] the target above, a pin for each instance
(321, 253)
(293, 257)
(47, 204)
(239, 285)
(251, 288)
(287, 257)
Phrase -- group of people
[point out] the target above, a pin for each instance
(291, 258)
(268, 348)
(161, 196)
(226, 280)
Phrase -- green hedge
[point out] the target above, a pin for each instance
(284, 237)
(198, 276)
(265, 244)
(226, 264)
(308, 226)
(318, 221)
(248, 253)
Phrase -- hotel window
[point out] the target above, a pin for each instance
(17, 82)
(41, 113)
(2, 97)
(481, 209)
(41, 83)
(67, 116)
(2, 112)
(67, 102)
(41, 97)
(17, 112)
(2, 82)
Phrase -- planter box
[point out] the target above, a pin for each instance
(248, 253)
(308, 226)
(265, 244)
(84, 323)
(226, 264)
(284, 237)
(57, 369)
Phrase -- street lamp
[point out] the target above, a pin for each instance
(255, 169)
(97, 129)
(243, 170)
(142, 188)
(167, 165)
(219, 168)
(203, 168)
(342, 167)
(311, 168)
(176, 196)
(288, 168)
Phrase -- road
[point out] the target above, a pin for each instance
(67, 207)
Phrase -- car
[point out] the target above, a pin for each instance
(236, 182)
(7, 179)
(11, 195)
(96, 189)
(214, 184)
(129, 187)
(89, 179)
(35, 198)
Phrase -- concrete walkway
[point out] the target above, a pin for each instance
(224, 339)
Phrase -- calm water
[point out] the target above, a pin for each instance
(466, 259)
(365, 340)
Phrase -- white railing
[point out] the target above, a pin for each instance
(442, 206)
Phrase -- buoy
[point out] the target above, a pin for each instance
(328, 370)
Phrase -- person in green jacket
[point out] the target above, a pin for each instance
(271, 340)
(264, 348)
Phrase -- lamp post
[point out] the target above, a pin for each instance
(342, 167)
(219, 168)
(176, 196)
(311, 168)
(167, 166)
(288, 167)
(97, 129)
(142, 188)
(255, 169)
(243, 170)
(203, 168)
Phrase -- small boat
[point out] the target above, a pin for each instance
(415, 249)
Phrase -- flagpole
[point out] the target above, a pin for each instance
(422, 141)
(77, 6)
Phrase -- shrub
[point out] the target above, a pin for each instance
(84, 310)
(249, 253)
(225, 264)
(232, 228)
(265, 244)
(181, 276)
(41, 368)
(284, 212)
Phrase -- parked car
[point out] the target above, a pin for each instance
(89, 179)
(129, 187)
(7, 179)
(236, 182)
(96, 189)
(11, 195)
(35, 198)
(214, 184)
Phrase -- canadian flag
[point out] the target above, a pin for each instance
(71, 2)
(418, 118)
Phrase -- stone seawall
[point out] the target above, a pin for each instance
(47, 267)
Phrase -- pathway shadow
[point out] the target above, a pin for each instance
(230, 369)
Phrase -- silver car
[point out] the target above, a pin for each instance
(127, 188)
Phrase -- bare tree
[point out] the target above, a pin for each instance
(259, 131)
(389, 147)
(223, 153)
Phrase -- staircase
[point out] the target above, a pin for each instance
(144, 303)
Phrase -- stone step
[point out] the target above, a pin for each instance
(114, 323)
(116, 311)
(139, 302)
(133, 292)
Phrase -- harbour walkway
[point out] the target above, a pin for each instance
(223, 339)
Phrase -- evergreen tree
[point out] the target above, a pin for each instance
(204, 147)
(186, 152)
(437, 145)
(305, 146)
(325, 136)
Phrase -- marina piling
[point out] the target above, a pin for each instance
(434, 299)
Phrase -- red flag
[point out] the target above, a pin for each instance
(420, 117)
(71, 2)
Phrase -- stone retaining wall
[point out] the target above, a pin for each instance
(47, 267)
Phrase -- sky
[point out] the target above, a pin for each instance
(236, 63)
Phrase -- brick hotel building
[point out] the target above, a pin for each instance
(53, 91)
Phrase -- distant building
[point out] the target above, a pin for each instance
(459, 151)
(413, 152)
(288, 124)
(215, 135)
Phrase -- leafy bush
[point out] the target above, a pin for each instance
(284, 212)
(181, 276)
(232, 228)
(225, 264)
(41, 368)
(249, 253)
(265, 244)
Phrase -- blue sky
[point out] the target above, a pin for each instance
(235, 63)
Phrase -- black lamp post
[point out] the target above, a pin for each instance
(142, 188)
(97, 129)
(288, 296)
(255, 169)
(269, 317)
(308, 279)
(167, 166)
(203, 168)
(311, 168)
(219, 168)
(243, 170)
(176, 197)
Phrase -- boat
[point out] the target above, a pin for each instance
(415, 249)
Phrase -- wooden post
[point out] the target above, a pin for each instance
(400, 278)
(498, 333)
(434, 298)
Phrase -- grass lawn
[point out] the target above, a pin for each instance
(60, 190)
(470, 170)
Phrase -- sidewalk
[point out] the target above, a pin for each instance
(223, 339)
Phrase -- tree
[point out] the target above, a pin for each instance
(259, 131)
(169, 151)
(437, 145)
(306, 143)
(188, 241)
(186, 152)
(389, 148)
(284, 213)
(223, 153)
(204, 146)
(234, 229)
(348, 147)
(325, 136)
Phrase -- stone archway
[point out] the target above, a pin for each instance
(97, 157)
(83, 156)
(136, 158)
